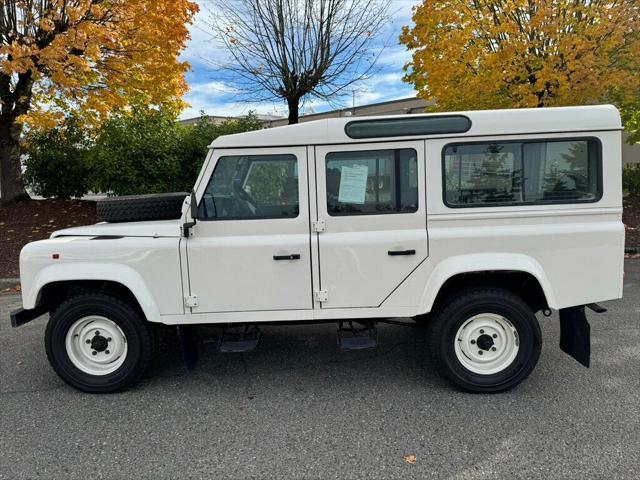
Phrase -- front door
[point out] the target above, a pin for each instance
(250, 249)
(371, 199)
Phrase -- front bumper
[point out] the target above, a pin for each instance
(22, 316)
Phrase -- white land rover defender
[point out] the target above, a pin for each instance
(470, 223)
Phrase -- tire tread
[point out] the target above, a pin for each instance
(458, 300)
(147, 339)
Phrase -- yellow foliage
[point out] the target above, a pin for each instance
(95, 56)
(468, 54)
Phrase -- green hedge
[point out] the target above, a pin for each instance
(144, 151)
(57, 164)
(631, 179)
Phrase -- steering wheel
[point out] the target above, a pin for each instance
(248, 203)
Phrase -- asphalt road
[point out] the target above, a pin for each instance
(297, 407)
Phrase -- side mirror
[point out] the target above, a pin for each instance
(194, 207)
(186, 227)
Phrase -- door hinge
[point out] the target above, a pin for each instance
(191, 301)
(320, 296)
(318, 226)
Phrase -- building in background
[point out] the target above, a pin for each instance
(630, 153)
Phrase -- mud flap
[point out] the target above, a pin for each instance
(575, 334)
(188, 346)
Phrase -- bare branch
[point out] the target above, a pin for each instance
(292, 50)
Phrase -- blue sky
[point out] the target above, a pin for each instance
(215, 96)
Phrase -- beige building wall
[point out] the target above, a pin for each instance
(393, 107)
(630, 153)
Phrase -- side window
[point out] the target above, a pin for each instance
(372, 182)
(252, 187)
(520, 173)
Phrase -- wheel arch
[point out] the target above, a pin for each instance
(518, 273)
(55, 283)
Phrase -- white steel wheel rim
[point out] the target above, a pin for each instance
(96, 345)
(486, 344)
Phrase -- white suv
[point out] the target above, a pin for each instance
(469, 223)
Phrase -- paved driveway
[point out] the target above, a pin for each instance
(297, 407)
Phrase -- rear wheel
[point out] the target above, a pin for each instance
(485, 340)
(98, 343)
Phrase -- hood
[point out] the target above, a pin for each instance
(155, 228)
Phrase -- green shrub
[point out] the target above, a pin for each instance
(631, 179)
(197, 138)
(137, 152)
(56, 163)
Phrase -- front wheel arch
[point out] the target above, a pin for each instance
(53, 294)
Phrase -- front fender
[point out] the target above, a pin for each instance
(451, 266)
(122, 274)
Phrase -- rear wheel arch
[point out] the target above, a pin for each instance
(521, 283)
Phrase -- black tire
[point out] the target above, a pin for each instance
(460, 308)
(139, 339)
(136, 208)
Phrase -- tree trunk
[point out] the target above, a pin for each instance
(14, 104)
(11, 184)
(294, 110)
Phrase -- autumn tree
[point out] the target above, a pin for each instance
(295, 49)
(470, 54)
(87, 56)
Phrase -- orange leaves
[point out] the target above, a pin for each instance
(493, 54)
(94, 56)
(410, 459)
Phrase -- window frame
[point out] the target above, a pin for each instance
(396, 170)
(206, 185)
(599, 169)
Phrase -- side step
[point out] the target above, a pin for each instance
(239, 339)
(357, 338)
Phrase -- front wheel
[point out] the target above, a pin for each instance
(485, 340)
(98, 343)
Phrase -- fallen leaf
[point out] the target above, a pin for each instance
(410, 459)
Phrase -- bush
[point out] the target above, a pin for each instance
(56, 163)
(137, 152)
(631, 179)
(197, 138)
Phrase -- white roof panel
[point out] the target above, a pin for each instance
(483, 122)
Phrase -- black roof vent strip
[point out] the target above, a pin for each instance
(404, 127)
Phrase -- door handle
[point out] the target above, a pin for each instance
(293, 256)
(393, 253)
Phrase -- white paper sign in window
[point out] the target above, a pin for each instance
(353, 184)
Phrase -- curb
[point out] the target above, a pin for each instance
(9, 282)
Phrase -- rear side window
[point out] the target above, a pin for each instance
(372, 182)
(252, 187)
(520, 173)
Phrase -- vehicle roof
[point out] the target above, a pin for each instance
(483, 122)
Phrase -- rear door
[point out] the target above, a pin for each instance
(371, 202)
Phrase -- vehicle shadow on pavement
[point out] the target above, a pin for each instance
(300, 353)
